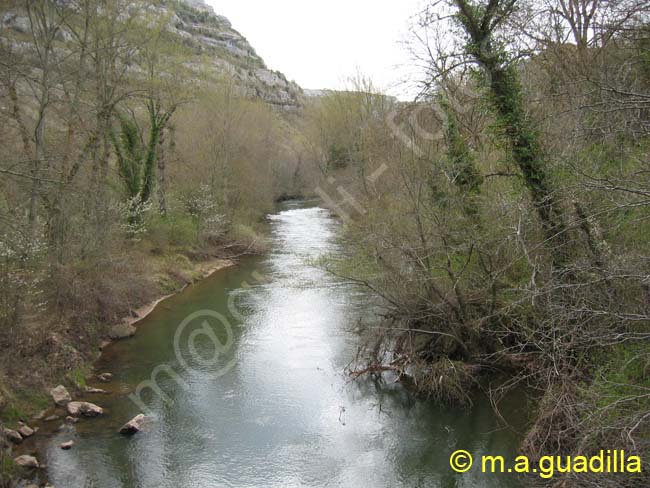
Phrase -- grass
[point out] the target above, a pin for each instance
(78, 377)
(8, 469)
(23, 406)
(11, 414)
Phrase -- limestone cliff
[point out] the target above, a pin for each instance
(220, 50)
(212, 34)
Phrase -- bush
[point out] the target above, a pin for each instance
(175, 229)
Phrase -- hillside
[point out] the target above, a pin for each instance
(218, 48)
(213, 35)
(132, 134)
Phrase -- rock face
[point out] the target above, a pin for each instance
(134, 425)
(86, 409)
(16, 22)
(196, 23)
(220, 50)
(60, 395)
(26, 461)
(122, 331)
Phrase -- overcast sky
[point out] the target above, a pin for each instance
(320, 44)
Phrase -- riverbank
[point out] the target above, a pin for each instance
(65, 354)
(284, 400)
(128, 325)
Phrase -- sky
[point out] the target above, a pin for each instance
(322, 44)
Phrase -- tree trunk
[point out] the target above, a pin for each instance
(507, 99)
(162, 202)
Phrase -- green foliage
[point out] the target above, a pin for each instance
(12, 414)
(361, 264)
(78, 377)
(23, 405)
(623, 374)
(128, 149)
(643, 46)
(506, 94)
(8, 469)
(461, 160)
(136, 161)
(338, 156)
(175, 229)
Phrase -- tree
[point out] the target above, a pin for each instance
(461, 160)
(480, 23)
(136, 159)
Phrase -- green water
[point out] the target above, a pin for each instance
(271, 408)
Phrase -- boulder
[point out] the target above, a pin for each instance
(105, 377)
(60, 395)
(71, 420)
(52, 418)
(134, 425)
(86, 409)
(13, 436)
(121, 331)
(26, 431)
(26, 461)
(66, 445)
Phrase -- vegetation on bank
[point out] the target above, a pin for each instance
(125, 167)
(501, 219)
(507, 231)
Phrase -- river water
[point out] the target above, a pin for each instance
(263, 401)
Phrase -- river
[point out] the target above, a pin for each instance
(263, 401)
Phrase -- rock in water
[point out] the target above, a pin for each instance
(86, 409)
(26, 431)
(26, 461)
(40, 416)
(134, 425)
(60, 395)
(66, 445)
(13, 436)
(96, 391)
(105, 377)
(121, 331)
